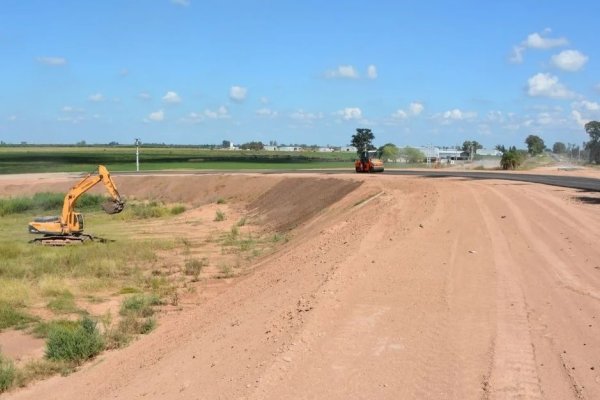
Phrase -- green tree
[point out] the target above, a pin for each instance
(559, 148)
(592, 128)
(411, 154)
(363, 139)
(512, 158)
(535, 144)
(501, 148)
(471, 146)
(388, 151)
(252, 146)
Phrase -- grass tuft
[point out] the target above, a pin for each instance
(75, 344)
(7, 373)
(178, 209)
(11, 317)
(221, 200)
(194, 266)
(219, 216)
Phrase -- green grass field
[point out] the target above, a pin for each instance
(31, 159)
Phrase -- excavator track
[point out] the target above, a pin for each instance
(67, 240)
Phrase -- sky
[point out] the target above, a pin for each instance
(200, 72)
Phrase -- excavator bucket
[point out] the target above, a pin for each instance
(113, 206)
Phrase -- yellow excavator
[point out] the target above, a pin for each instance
(68, 227)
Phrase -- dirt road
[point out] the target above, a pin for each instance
(407, 288)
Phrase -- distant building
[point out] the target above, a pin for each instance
(349, 149)
(270, 148)
(325, 149)
(289, 148)
(227, 144)
(489, 152)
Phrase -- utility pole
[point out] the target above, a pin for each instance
(138, 142)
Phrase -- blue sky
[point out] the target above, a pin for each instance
(191, 71)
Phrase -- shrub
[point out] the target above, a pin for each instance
(194, 267)
(7, 373)
(241, 222)
(219, 216)
(178, 209)
(76, 344)
(221, 200)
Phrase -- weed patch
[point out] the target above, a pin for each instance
(75, 344)
(40, 369)
(11, 317)
(7, 373)
(219, 216)
(178, 209)
(63, 303)
(194, 266)
(139, 305)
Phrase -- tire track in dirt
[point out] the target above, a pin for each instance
(559, 286)
(513, 373)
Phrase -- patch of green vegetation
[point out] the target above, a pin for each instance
(129, 290)
(221, 200)
(75, 344)
(40, 369)
(279, 237)
(220, 216)
(178, 209)
(63, 303)
(139, 305)
(12, 317)
(43, 328)
(46, 202)
(7, 373)
(25, 159)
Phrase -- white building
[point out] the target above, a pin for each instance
(349, 149)
(488, 152)
(270, 148)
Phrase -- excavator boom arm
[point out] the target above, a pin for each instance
(111, 207)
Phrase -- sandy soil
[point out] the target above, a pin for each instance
(399, 288)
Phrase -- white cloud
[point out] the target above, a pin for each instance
(157, 116)
(266, 112)
(11, 118)
(343, 71)
(219, 113)
(302, 115)
(171, 97)
(546, 85)
(415, 108)
(52, 61)
(576, 115)
(372, 71)
(350, 113)
(264, 100)
(569, 60)
(144, 96)
(400, 114)
(453, 114)
(69, 109)
(97, 97)
(182, 3)
(587, 105)
(536, 41)
(238, 93)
